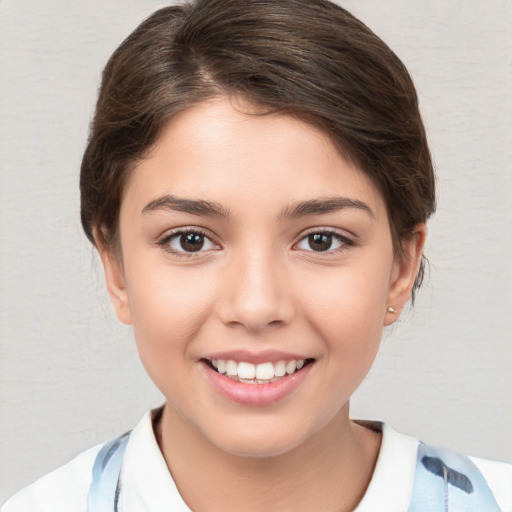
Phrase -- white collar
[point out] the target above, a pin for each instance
(148, 484)
(147, 481)
(392, 481)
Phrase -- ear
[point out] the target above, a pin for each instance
(404, 273)
(114, 277)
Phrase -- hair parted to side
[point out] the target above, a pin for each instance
(308, 58)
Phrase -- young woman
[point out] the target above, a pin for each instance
(257, 183)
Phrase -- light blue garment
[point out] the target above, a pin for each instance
(105, 491)
(444, 481)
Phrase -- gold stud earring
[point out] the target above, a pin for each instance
(391, 310)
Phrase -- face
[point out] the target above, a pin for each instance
(256, 267)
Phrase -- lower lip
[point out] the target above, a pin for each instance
(257, 395)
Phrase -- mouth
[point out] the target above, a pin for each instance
(259, 374)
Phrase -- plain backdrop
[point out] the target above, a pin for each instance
(69, 373)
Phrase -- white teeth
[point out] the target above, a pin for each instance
(291, 366)
(231, 368)
(280, 369)
(246, 370)
(256, 374)
(264, 371)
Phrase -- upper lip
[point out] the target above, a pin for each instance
(265, 356)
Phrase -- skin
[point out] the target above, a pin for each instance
(258, 284)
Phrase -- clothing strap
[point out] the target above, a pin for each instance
(448, 482)
(105, 491)
(444, 481)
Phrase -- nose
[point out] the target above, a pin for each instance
(257, 294)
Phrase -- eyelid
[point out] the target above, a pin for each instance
(164, 241)
(347, 240)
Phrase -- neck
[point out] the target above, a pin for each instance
(329, 471)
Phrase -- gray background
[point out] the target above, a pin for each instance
(69, 374)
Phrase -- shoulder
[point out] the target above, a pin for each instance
(463, 483)
(63, 490)
(498, 475)
(412, 476)
(66, 489)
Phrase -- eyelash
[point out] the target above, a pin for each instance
(166, 240)
(345, 241)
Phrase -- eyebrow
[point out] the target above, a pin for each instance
(323, 206)
(193, 206)
(294, 210)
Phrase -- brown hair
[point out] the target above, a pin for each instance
(308, 58)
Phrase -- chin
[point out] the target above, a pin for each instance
(257, 441)
(254, 449)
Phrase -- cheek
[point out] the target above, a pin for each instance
(349, 293)
(168, 309)
(347, 305)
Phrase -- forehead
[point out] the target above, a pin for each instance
(231, 153)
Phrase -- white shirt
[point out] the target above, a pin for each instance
(148, 485)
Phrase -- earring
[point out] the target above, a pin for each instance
(391, 310)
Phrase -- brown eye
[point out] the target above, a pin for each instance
(191, 242)
(324, 241)
(182, 243)
(320, 242)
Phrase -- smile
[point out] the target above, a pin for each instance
(262, 373)
(256, 379)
